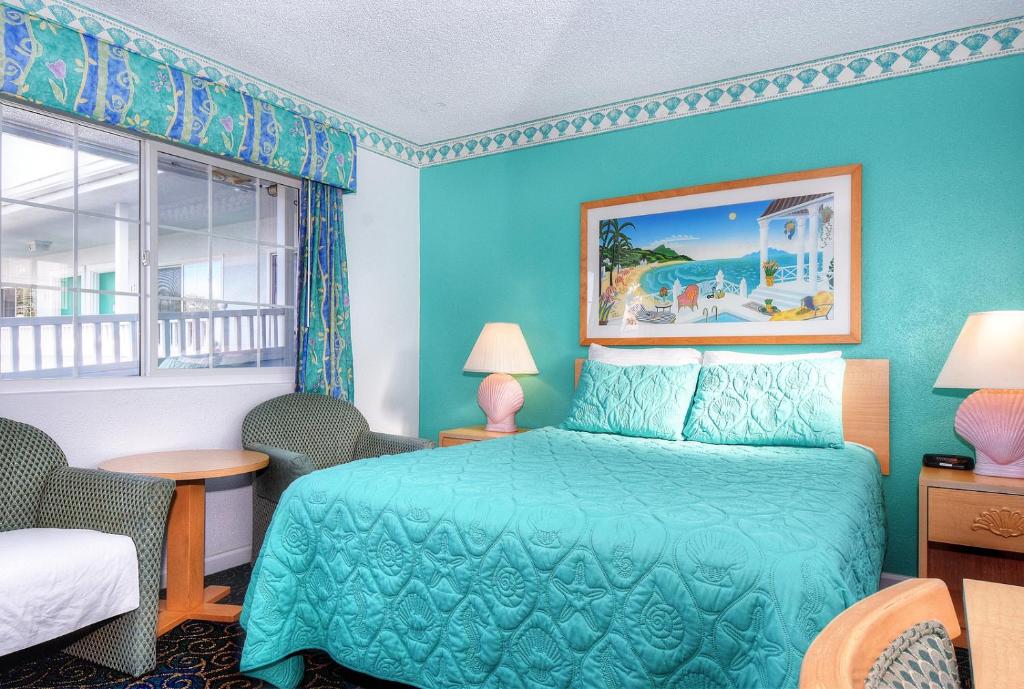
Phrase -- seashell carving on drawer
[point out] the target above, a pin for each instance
(1000, 521)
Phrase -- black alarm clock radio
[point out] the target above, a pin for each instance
(941, 461)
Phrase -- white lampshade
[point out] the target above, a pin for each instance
(988, 354)
(501, 348)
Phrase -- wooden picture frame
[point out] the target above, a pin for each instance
(746, 291)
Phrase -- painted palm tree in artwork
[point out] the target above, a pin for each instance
(615, 243)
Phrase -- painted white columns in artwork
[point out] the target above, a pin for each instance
(808, 250)
(801, 233)
(812, 247)
(763, 225)
(827, 253)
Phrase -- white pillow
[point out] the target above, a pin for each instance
(655, 356)
(727, 357)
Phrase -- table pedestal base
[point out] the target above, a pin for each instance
(187, 596)
(210, 611)
(187, 599)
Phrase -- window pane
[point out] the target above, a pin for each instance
(277, 341)
(234, 204)
(182, 191)
(183, 336)
(277, 276)
(35, 338)
(279, 213)
(168, 334)
(36, 245)
(109, 334)
(77, 261)
(108, 254)
(236, 262)
(108, 173)
(169, 288)
(235, 335)
(244, 256)
(38, 158)
(186, 255)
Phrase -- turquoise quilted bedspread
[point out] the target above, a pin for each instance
(558, 559)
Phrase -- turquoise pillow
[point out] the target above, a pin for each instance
(787, 403)
(641, 401)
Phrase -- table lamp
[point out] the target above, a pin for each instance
(500, 350)
(988, 357)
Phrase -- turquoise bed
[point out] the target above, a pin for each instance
(565, 559)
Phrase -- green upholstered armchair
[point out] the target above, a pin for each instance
(39, 490)
(303, 432)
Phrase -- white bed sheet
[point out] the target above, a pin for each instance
(54, 581)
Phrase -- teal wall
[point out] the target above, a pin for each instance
(943, 235)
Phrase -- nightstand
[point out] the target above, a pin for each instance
(470, 434)
(970, 527)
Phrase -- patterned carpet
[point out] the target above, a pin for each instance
(200, 655)
(196, 655)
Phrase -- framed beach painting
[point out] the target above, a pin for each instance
(768, 260)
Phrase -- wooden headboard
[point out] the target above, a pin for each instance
(865, 405)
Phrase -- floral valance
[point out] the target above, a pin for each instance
(56, 67)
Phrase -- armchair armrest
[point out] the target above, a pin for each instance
(373, 444)
(131, 505)
(127, 504)
(285, 466)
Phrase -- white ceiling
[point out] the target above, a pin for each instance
(433, 69)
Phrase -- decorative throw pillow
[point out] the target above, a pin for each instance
(651, 356)
(641, 401)
(786, 403)
(725, 356)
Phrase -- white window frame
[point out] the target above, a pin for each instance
(151, 154)
(150, 376)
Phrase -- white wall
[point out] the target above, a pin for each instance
(382, 221)
(93, 425)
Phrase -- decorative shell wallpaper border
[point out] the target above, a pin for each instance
(948, 49)
(982, 42)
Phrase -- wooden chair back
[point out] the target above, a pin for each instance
(845, 650)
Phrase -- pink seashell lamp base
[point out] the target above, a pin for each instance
(993, 421)
(500, 396)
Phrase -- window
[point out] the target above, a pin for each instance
(225, 260)
(69, 249)
(94, 282)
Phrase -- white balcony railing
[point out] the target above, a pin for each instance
(45, 346)
(710, 286)
(786, 274)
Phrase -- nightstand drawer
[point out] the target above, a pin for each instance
(976, 518)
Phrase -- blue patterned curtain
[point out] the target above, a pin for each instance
(324, 330)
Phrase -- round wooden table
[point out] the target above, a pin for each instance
(187, 598)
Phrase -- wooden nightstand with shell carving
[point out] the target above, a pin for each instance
(470, 434)
(970, 527)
